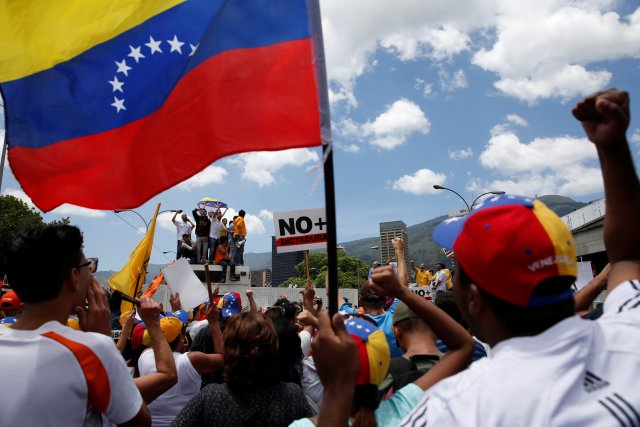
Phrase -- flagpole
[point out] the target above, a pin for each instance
(327, 151)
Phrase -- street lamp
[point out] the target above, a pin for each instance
(140, 216)
(469, 207)
(168, 252)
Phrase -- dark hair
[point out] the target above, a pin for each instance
(241, 213)
(40, 259)
(446, 303)
(369, 299)
(223, 240)
(289, 351)
(440, 265)
(529, 321)
(365, 402)
(290, 308)
(250, 351)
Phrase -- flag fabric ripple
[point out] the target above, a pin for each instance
(106, 114)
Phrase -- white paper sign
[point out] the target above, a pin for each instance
(585, 274)
(300, 230)
(181, 279)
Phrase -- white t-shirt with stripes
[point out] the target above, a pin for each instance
(56, 376)
(577, 373)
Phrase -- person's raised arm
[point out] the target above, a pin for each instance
(126, 331)
(337, 362)
(458, 341)
(398, 247)
(207, 363)
(585, 296)
(605, 118)
(175, 214)
(252, 302)
(153, 385)
(96, 316)
(413, 267)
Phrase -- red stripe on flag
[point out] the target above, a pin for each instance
(243, 100)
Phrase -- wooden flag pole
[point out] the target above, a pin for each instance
(306, 264)
(207, 277)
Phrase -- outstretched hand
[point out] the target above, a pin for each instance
(174, 300)
(149, 312)
(604, 116)
(335, 353)
(385, 282)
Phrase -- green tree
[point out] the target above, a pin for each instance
(16, 215)
(352, 271)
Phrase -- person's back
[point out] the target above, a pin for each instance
(56, 375)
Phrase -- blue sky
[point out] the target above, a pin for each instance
(475, 97)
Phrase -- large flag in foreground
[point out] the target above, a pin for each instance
(109, 102)
(129, 280)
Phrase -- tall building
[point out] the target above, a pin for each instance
(282, 265)
(261, 277)
(388, 231)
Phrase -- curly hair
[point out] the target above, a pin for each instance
(250, 351)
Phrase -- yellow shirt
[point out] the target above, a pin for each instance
(239, 229)
(423, 277)
(448, 273)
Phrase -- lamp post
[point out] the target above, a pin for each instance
(469, 207)
(146, 224)
(168, 252)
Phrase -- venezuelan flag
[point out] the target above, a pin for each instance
(110, 102)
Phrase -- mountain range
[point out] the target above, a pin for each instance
(421, 247)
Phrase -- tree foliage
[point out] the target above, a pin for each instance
(352, 271)
(16, 215)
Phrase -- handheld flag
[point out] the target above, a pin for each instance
(132, 98)
(129, 280)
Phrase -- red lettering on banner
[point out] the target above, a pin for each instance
(302, 240)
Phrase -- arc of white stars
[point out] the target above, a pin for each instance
(176, 45)
(116, 84)
(123, 67)
(135, 53)
(154, 45)
(118, 104)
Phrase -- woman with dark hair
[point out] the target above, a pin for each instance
(253, 394)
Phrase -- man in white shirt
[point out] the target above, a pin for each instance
(185, 226)
(59, 376)
(214, 233)
(548, 366)
(440, 281)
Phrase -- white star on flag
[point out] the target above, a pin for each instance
(153, 45)
(118, 104)
(358, 326)
(193, 48)
(123, 67)
(135, 53)
(117, 84)
(176, 45)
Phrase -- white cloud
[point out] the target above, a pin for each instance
(211, 175)
(349, 148)
(449, 83)
(635, 136)
(543, 49)
(260, 166)
(392, 128)
(460, 154)
(424, 87)
(517, 120)
(265, 214)
(560, 165)
(421, 182)
(63, 210)
(254, 225)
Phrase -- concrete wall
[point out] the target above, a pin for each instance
(589, 241)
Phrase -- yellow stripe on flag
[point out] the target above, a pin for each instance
(129, 280)
(38, 34)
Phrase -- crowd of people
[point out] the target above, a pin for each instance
(218, 241)
(510, 349)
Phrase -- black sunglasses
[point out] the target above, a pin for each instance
(92, 263)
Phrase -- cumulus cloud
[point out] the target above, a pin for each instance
(211, 175)
(538, 49)
(517, 120)
(421, 182)
(265, 214)
(451, 82)
(260, 166)
(392, 128)
(425, 88)
(349, 148)
(560, 165)
(63, 210)
(460, 154)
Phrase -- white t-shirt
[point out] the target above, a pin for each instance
(214, 231)
(183, 228)
(577, 373)
(169, 404)
(53, 374)
(441, 281)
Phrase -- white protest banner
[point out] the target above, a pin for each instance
(181, 279)
(422, 291)
(300, 230)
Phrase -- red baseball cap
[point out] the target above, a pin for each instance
(10, 301)
(509, 244)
